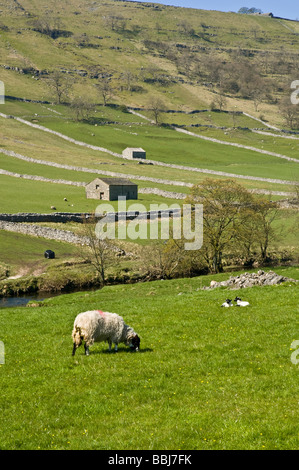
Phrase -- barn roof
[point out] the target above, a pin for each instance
(115, 181)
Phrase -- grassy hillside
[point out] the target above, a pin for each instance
(161, 143)
(205, 378)
(185, 57)
(168, 52)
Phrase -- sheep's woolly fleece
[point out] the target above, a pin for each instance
(97, 326)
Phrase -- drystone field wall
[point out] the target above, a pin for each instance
(94, 171)
(126, 175)
(62, 136)
(170, 165)
(25, 223)
(148, 190)
(44, 232)
(55, 217)
(163, 193)
(158, 192)
(42, 178)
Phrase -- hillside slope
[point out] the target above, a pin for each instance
(184, 56)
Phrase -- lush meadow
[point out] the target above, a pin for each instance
(206, 377)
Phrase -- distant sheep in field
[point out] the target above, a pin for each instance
(96, 326)
(227, 303)
(241, 303)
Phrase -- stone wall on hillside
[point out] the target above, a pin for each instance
(55, 217)
(45, 232)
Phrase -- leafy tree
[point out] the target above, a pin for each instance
(254, 10)
(243, 10)
(234, 221)
(225, 210)
(248, 11)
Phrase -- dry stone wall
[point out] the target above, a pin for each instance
(56, 217)
(45, 232)
(261, 278)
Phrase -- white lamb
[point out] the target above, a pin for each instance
(241, 303)
(96, 326)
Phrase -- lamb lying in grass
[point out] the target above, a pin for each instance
(227, 303)
(96, 326)
(241, 303)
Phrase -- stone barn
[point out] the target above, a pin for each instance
(131, 152)
(109, 189)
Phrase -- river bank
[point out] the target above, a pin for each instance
(21, 291)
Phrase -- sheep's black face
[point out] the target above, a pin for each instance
(135, 343)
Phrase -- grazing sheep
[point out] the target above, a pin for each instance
(227, 303)
(96, 326)
(241, 303)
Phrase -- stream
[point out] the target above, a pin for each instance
(22, 300)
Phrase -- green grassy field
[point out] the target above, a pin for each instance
(20, 195)
(205, 378)
(161, 144)
(24, 251)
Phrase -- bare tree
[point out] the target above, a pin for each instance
(116, 22)
(219, 101)
(156, 106)
(105, 89)
(186, 28)
(59, 84)
(50, 26)
(290, 113)
(265, 213)
(128, 77)
(166, 259)
(82, 107)
(100, 253)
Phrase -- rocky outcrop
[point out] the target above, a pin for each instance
(261, 278)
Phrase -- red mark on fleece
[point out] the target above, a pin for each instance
(101, 313)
